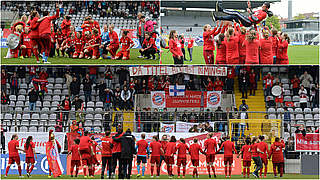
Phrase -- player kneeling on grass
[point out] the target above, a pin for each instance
(78, 52)
(13, 147)
(194, 151)
(26, 43)
(277, 156)
(29, 148)
(69, 45)
(75, 158)
(246, 158)
(114, 42)
(126, 44)
(149, 47)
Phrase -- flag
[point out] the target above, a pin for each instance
(177, 90)
(54, 159)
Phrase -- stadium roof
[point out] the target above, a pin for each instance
(228, 4)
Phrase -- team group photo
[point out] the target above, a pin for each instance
(208, 89)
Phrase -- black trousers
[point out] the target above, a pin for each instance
(237, 16)
(148, 53)
(115, 158)
(184, 53)
(105, 161)
(258, 162)
(126, 164)
(178, 61)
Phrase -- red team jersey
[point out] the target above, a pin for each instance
(195, 150)
(114, 40)
(106, 150)
(263, 146)
(29, 151)
(254, 151)
(182, 150)
(175, 47)
(228, 148)
(208, 39)
(170, 148)
(232, 50)
(26, 40)
(125, 43)
(59, 38)
(45, 25)
(218, 85)
(282, 51)
(252, 51)
(190, 43)
(276, 152)
(155, 148)
(246, 153)
(142, 147)
(260, 14)
(210, 145)
(85, 142)
(150, 43)
(266, 52)
(75, 152)
(163, 145)
(12, 147)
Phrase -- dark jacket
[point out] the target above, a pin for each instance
(127, 145)
(33, 96)
(75, 87)
(77, 104)
(87, 84)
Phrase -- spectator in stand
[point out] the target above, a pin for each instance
(315, 96)
(218, 85)
(194, 129)
(295, 84)
(101, 87)
(208, 127)
(230, 78)
(301, 130)
(209, 86)
(32, 72)
(156, 120)
(244, 82)
(33, 97)
(190, 85)
(218, 117)
(58, 127)
(78, 106)
(4, 101)
(125, 96)
(306, 79)
(68, 81)
(74, 87)
(244, 105)
(108, 99)
(4, 77)
(43, 75)
(117, 99)
(123, 74)
(252, 81)
(14, 84)
(286, 119)
(87, 88)
(309, 130)
(65, 106)
(268, 80)
(242, 124)
(303, 97)
(108, 77)
(93, 74)
(279, 99)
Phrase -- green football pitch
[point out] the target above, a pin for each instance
(134, 60)
(269, 176)
(298, 55)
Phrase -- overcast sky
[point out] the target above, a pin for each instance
(298, 6)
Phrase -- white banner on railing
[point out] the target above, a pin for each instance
(39, 138)
(185, 126)
(170, 70)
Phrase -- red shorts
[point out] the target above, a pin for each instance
(96, 53)
(246, 163)
(113, 49)
(155, 159)
(123, 54)
(34, 42)
(279, 100)
(94, 160)
(182, 161)
(14, 159)
(208, 56)
(75, 163)
(195, 162)
(26, 52)
(210, 158)
(169, 159)
(242, 59)
(228, 160)
(30, 160)
(86, 162)
(264, 161)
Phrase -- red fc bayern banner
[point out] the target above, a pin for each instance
(309, 142)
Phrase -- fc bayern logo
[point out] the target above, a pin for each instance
(213, 98)
(158, 99)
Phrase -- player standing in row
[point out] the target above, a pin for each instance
(31, 155)
(106, 154)
(246, 158)
(254, 149)
(263, 146)
(208, 42)
(156, 151)
(75, 157)
(194, 151)
(210, 146)
(175, 47)
(277, 156)
(170, 150)
(142, 153)
(86, 152)
(228, 155)
(13, 147)
(182, 149)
